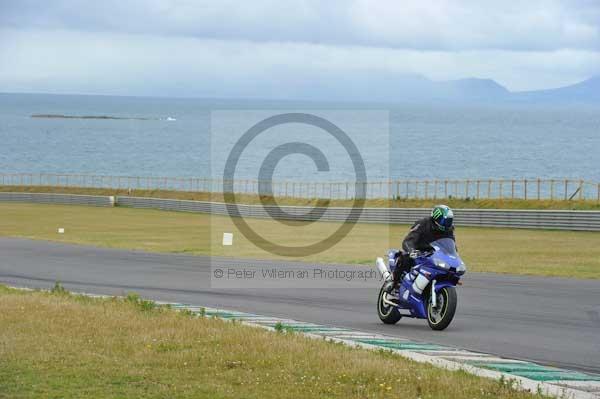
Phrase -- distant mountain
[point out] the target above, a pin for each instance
(368, 86)
(489, 91)
(587, 91)
(470, 89)
(473, 90)
(388, 87)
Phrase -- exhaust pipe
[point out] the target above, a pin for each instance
(383, 269)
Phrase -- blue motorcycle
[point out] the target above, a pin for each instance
(427, 291)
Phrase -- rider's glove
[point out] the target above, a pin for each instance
(413, 254)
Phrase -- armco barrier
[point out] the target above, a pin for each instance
(66, 199)
(526, 219)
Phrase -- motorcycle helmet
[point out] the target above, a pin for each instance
(442, 217)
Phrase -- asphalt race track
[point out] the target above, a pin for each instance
(548, 320)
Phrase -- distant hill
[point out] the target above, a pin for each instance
(489, 91)
(587, 91)
(388, 87)
(368, 86)
(471, 89)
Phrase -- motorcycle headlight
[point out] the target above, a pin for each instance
(461, 269)
(440, 263)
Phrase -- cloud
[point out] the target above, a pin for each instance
(296, 48)
(118, 63)
(536, 25)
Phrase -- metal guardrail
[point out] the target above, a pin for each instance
(525, 188)
(63, 199)
(526, 219)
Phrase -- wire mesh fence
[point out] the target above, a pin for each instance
(527, 189)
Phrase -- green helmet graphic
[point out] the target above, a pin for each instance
(442, 217)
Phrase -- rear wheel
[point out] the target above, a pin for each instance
(440, 316)
(389, 314)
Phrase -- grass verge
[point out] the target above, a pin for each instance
(53, 344)
(376, 203)
(516, 251)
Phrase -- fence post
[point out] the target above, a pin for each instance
(581, 188)
(467, 189)
(566, 188)
(489, 193)
(552, 190)
(598, 192)
(538, 188)
(501, 189)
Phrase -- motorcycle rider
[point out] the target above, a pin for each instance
(422, 233)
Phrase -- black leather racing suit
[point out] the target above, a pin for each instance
(421, 234)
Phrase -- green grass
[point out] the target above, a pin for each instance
(56, 345)
(516, 251)
(254, 199)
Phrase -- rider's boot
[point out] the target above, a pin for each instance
(395, 279)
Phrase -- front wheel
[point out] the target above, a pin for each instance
(387, 313)
(440, 316)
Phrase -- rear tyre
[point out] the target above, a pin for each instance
(387, 313)
(440, 317)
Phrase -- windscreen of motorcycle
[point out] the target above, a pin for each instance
(446, 245)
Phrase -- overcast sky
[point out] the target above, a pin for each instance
(263, 48)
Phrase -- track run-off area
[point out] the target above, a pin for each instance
(551, 321)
